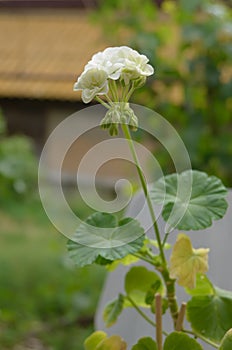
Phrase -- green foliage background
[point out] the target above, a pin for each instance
(45, 302)
(18, 166)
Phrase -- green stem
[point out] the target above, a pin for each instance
(125, 91)
(143, 314)
(98, 99)
(210, 342)
(170, 283)
(140, 311)
(127, 134)
(165, 238)
(130, 92)
(171, 294)
(150, 254)
(109, 100)
(114, 90)
(144, 258)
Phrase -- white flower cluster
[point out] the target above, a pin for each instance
(114, 63)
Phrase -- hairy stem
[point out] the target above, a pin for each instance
(171, 294)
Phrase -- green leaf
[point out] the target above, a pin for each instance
(210, 315)
(203, 286)
(113, 310)
(138, 282)
(94, 340)
(102, 236)
(145, 343)
(115, 342)
(150, 295)
(181, 341)
(196, 205)
(102, 261)
(226, 343)
(127, 260)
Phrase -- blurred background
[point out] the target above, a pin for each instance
(45, 302)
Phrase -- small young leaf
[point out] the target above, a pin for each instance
(186, 262)
(181, 341)
(145, 343)
(113, 310)
(137, 283)
(115, 342)
(150, 295)
(127, 260)
(210, 315)
(94, 340)
(192, 199)
(226, 343)
(102, 261)
(101, 236)
(203, 286)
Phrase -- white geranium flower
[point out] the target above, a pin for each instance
(107, 61)
(92, 82)
(121, 62)
(135, 65)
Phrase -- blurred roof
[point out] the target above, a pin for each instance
(43, 51)
(48, 3)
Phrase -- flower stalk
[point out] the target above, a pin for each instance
(128, 137)
(111, 77)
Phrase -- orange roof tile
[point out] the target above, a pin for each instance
(43, 51)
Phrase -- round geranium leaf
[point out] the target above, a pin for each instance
(203, 286)
(138, 281)
(145, 343)
(181, 341)
(210, 315)
(192, 199)
(102, 239)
